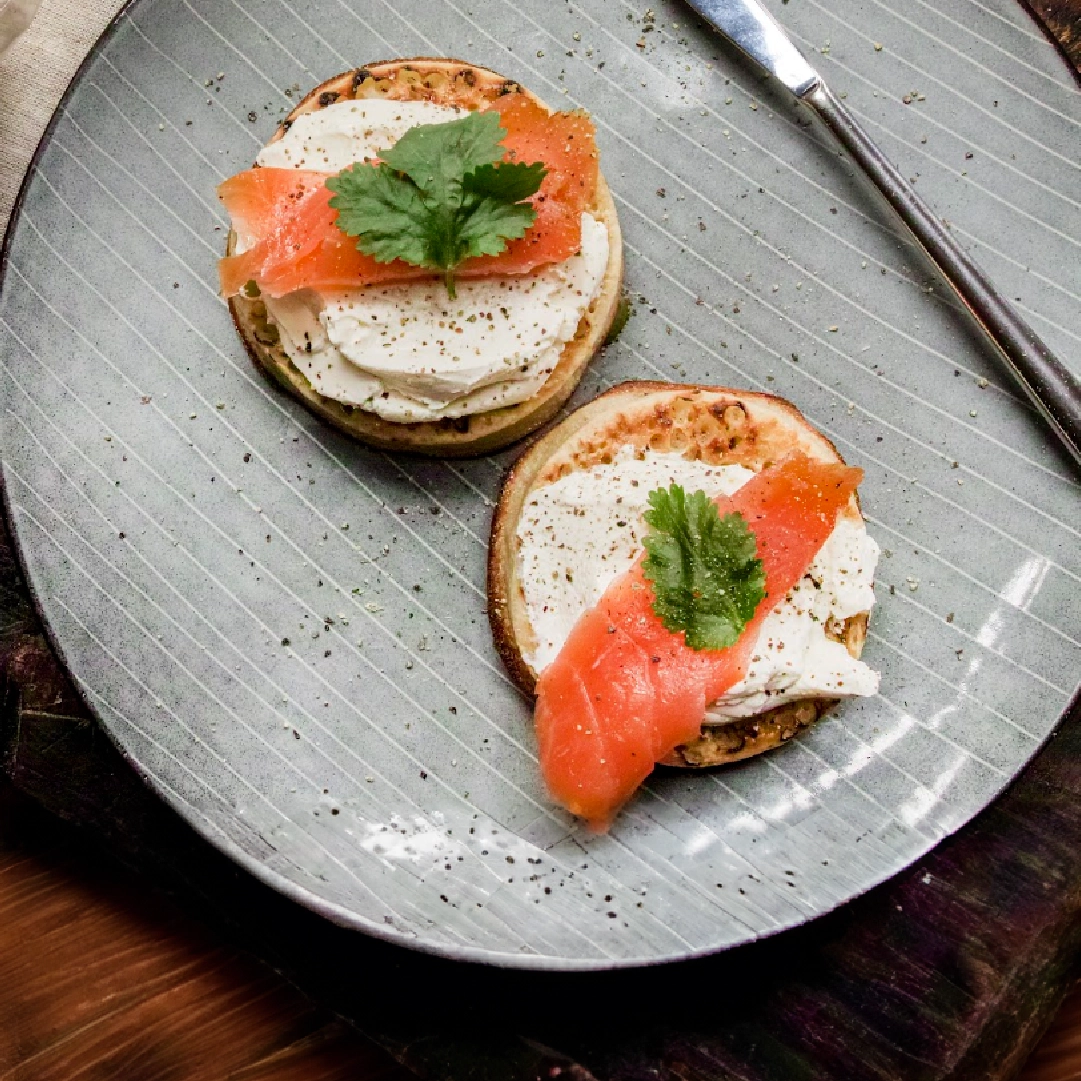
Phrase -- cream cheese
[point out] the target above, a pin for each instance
(406, 351)
(338, 135)
(580, 532)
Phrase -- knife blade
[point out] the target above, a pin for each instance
(1049, 385)
(751, 28)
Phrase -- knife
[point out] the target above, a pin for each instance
(1053, 390)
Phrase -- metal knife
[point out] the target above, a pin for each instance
(1054, 391)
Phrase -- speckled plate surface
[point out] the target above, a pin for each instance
(285, 632)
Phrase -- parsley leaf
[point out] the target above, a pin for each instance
(440, 195)
(707, 579)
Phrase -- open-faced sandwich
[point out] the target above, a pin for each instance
(681, 575)
(426, 255)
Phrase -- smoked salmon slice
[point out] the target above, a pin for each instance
(294, 242)
(624, 691)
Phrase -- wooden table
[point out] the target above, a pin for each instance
(103, 976)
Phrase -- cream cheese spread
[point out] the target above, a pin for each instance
(406, 351)
(580, 532)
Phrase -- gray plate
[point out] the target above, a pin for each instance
(286, 632)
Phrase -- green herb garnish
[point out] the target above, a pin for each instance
(442, 194)
(707, 579)
(619, 320)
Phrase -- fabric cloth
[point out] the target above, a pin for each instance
(35, 71)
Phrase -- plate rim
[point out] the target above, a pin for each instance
(334, 912)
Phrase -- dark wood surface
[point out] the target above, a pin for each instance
(131, 951)
(128, 949)
(100, 978)
(1061, 21)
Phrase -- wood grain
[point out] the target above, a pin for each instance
(122, 984)
(104, 978)
(1058, 1056)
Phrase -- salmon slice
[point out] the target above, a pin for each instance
(295, 242)
(624, 691)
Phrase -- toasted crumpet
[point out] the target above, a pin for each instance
(449, 82)
(715, 425)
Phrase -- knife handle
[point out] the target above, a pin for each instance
(1054, 391)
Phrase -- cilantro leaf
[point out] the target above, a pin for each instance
(439, 196)
(489, 224)
(387, 212)
(707, 580)
(509, 181)
(436, 157)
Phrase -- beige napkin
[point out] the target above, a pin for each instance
(34, 72)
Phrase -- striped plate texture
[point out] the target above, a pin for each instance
(286, 632)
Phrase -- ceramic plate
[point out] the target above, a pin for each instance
(286, 632)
